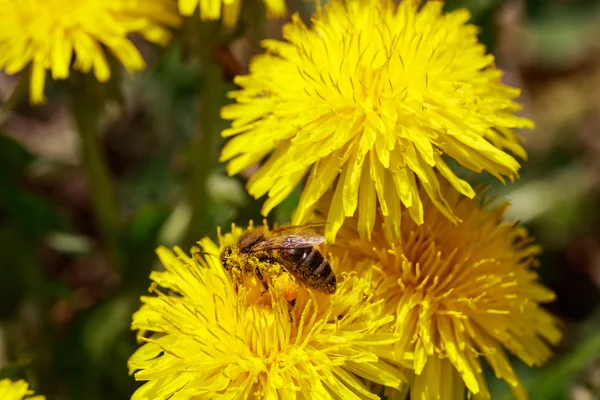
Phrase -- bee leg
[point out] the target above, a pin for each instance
(236, 276)
(291, 305)
(259, 275)
(197, 254)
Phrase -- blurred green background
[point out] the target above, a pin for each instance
(65, 307)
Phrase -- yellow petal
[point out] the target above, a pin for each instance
(37, 83)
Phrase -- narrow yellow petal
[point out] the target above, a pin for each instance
(231, 12)
(61, 56)
(416, 209)
(367, 205)
(352, 182)
(210, 9)
(37, 83)
(187, 7)
(460, 185)
(335, 218)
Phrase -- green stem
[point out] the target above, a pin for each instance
(86, 110)
(203, 148)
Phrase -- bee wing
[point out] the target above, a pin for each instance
(300, 228)
(308, 239)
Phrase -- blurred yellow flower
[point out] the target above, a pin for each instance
(229, 9)
(460, 293)
(55, 35)
(214, 339)
(17, 390)
(375, 95)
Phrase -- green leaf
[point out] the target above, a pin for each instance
(140, 241)
(31, 216)
(13, 157)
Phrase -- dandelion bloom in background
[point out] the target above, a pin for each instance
(372, 99)
(460, 293)
(228, 9)
(17, 390)
(55, 35)
(212, 338)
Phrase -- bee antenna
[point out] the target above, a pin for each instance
(198, 251)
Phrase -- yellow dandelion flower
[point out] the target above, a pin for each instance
(460, 293)
(17, 390)
(216, 339)
(228, 9)
(375, 95)
(53, 35)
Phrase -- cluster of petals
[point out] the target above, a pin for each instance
(227, 10)
(206, 337)
(460, 294)
(17, 390)
(373, 98)
(57, 35)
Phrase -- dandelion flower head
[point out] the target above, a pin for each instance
(460, 293)
(373, 98)
(17, 390)
(53, 35)
(216, 339)
(229, 10)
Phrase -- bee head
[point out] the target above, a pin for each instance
(249, 239)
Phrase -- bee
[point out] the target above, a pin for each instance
(263, 252)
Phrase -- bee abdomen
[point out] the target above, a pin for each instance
(316, 272)
(296, 255)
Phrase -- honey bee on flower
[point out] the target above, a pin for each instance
(280, 257)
